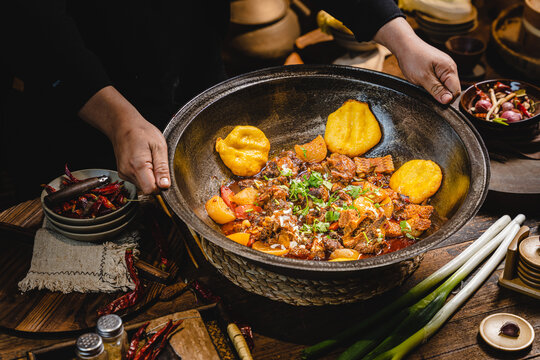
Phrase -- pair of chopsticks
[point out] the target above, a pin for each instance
(235, 335)
(175, 228)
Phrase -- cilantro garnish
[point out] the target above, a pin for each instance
(320, 227)
(331, 216)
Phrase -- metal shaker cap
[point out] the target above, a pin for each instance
(89, 344)
(109, 326)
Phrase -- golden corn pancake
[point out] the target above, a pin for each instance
(352, 129)
(417, 179)
(244, 150)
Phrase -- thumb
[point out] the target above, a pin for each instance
(444, 83)
(161, 166)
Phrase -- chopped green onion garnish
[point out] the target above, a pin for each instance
(501, 121)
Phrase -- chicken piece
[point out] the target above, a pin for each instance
(349, 220)
(271, 170)
(341, 167)
(381, 165)
(371, 248)
(412, 210)
(392, 229)
(317, 251)
(418, 225)
(298, 252)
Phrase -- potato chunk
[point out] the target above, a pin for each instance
(219, 211)
(248, 196)
(240, 237)
(417, 179)
(313, 151)
(352, 129)
(244, 150)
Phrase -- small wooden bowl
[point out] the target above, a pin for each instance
(525, 129)
(466, 51)
(489, 331)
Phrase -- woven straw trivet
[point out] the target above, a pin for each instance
(297, 291)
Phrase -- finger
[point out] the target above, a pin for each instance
(450, 79)
(144, 174)
(161, 166)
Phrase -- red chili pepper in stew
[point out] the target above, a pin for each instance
(334, 226)
(481, 94)
(134, 344)
(129, 299)
(500, 86)
(227, 195)
(242, 212)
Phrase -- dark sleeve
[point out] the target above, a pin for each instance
(363, 17)
(45, 50)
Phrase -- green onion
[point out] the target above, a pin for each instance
(365, 236)
(419, 314)
(420, 336)
(320, 227)
(304, 151)
(500, 121)
(408, 298)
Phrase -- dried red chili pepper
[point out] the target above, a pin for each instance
(70, 175)
(49, 189)
(204, 292)
(134, 344)
(161, 244)
(481, 94)
(163, 341)
(146, 349)
(247, 333)
(129, 299)
(227, 195)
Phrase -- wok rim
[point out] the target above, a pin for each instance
(470, 137)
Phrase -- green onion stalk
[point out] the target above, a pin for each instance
(407, 299)
(419, 314)
(422, 335)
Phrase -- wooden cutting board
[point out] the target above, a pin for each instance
(192, 340)
(53, 312)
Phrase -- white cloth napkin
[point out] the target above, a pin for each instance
(66, 265)
(372, 60)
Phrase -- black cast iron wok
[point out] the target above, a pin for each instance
(291, 104)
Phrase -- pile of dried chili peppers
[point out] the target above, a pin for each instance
(132, 297)
(154, 344)
(96, 202)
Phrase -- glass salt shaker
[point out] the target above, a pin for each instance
(90, 347)
(115, 338)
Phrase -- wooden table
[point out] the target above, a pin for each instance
(281, 331)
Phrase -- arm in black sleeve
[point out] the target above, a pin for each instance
(363, 17)
(45, 50)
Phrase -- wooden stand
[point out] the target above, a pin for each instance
(509, 277)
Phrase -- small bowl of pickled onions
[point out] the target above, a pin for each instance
(503, 107)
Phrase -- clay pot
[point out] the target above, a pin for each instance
(265, 42)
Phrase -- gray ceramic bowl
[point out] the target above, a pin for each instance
(100, 227)
(99, 236)
(84, 174)
(291, 105)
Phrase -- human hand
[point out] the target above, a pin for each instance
(139, 147)
(421, 63)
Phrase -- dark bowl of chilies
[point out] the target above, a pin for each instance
(503, 108)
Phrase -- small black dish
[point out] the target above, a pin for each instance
(522, 130)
